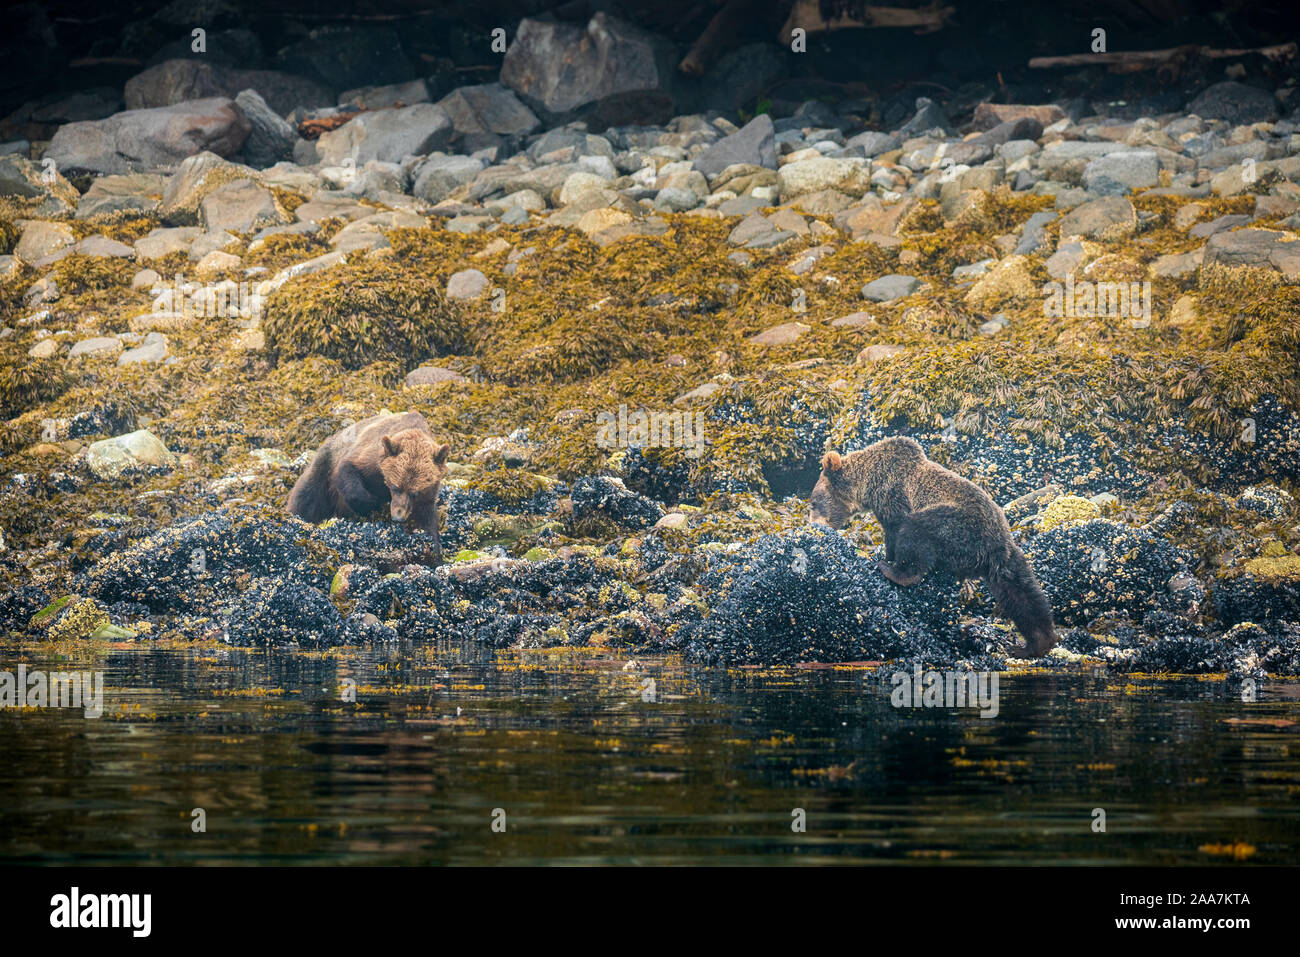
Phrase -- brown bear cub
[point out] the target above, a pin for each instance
(386, 458)
(934, 518)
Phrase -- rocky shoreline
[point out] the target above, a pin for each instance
(1090, 308)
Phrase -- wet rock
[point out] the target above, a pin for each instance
(153, 349)
(1096, 568)
(1261, 248)
(781, 335)
(989, 115)
(608, 497)
(467, 284)
(41, 238)
(1117, 174)
(279, 613)
(193, 180)
(134, 193)
(849, 176)
(928, 116)
(874, 353)
(391, 94)
(811, 597)
(198, 564)
(241, 206)
(97, 348)
(34, 189)
(1266, 589)
(101, 247)
(439, 176)
(432, 375)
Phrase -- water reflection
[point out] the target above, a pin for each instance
(592, 759)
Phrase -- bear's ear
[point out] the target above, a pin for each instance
(440, 456)
(832, 462)
(390, 446)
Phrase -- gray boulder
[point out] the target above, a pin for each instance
(1116, 174)
(609, 71)
(753, 143)
(140, 140)
(488, 108)
(133, 192)
(439, 176)
(270, 139)
(1236, 103)
(388, 135)
(175, 81)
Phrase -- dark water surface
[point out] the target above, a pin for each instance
(588, 771)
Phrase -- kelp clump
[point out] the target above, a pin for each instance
(363, 313)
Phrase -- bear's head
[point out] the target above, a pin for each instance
(413, 466)
(832, 497)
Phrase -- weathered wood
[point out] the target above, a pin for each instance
(807, 14)
(1135, 60)
(719, 32)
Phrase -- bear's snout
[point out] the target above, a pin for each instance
(825, 508)
(399, 508)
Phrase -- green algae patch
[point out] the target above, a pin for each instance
(46, 614)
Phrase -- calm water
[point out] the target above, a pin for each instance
(587, 771)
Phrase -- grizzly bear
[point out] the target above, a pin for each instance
(386, 458)
(934, 518)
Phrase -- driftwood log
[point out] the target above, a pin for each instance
(1134, 61)
(807, 14)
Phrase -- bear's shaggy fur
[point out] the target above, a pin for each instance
(389, 459)
(934, 518)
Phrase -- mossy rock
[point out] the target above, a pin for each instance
(363, 313)
(1069, 508)
(1275, 568)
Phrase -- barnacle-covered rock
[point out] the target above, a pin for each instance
(1097, 568)
(198, 561)
(1264, 589)
(609, 497)
(811, 597)
(278, 612)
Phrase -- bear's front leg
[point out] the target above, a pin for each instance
(425, 516)
(898, 577)
(891, 540)
(351, 497)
